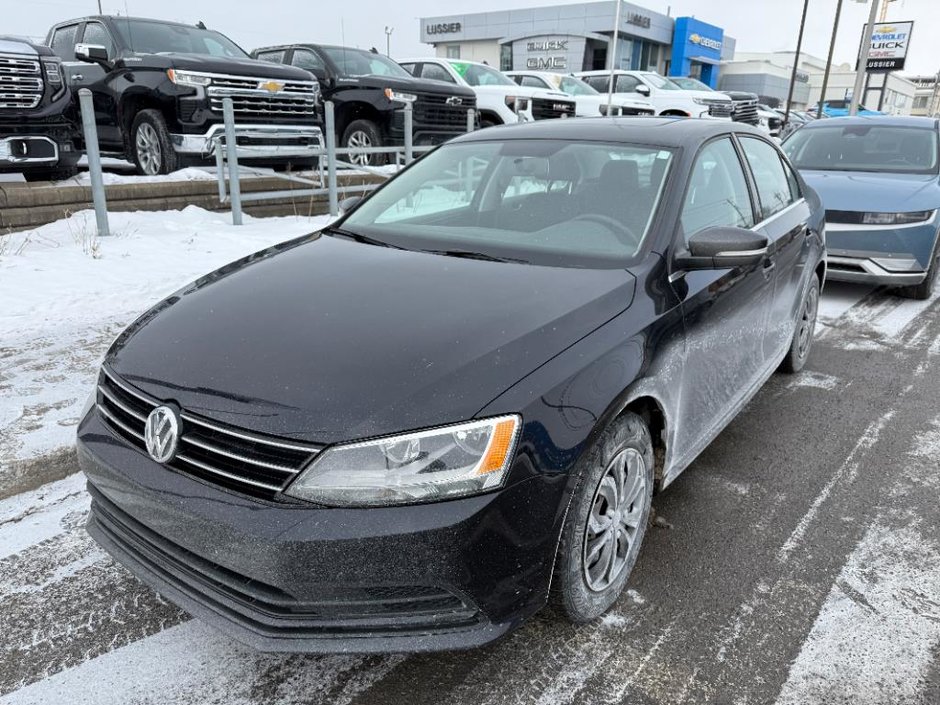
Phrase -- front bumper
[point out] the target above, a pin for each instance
(891, 256)
(30, 144)
(255, 141)
(295, 577)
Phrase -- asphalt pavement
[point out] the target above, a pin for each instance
(797, 562)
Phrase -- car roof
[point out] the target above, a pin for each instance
(659, 131)
(884, 120)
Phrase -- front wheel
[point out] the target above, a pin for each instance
(805, 329)
(924, 290)
(606, 521)
(363, 134)
(151, 148)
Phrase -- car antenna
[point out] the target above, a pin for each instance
(201, 25)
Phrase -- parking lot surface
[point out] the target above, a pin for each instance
(796, 562)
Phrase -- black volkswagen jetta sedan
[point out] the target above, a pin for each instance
(412, 430)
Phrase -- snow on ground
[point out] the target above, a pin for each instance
(67, 294)
(83, 178)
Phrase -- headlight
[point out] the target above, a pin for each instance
(896, 218)
(52, 67)
(394, 95)
(442, 463)
(187, 78)
(700, 101)
(511, 102)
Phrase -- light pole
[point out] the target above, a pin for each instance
(796, 63)
(613, 55)
(863, 59)
(832, 46)
(388, 41)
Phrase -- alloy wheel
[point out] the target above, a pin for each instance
(807, 324)
(149, 154)
(610, 537)
(359, 140)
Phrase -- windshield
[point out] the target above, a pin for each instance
(657, 81)
(479, 75)
(581, 204)
(691, 84)
(575, 86)
(150, 37)
(356, 62)
(884, 148)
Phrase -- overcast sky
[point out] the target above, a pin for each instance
(758, 25)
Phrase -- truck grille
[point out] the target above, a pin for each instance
(250, 99)
(746, 111)
(21, 84)
(546, 108)
(720, 108)
(433, 110)
(249, 463)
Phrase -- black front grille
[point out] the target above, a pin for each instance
(547, 108)
(246, 462)
(335, 610)
(442, 111)
(849, 217)
(746, 111)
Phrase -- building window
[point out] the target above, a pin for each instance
(920, 102)
(453, 51)
(505, 57)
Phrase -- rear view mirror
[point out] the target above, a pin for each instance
(642, 89)
(92, 53)
(717, 248)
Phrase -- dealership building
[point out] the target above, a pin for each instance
(578, 37)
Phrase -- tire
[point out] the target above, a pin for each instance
(586, 582)
(924, 290)
(488, 122)
(802, 341)
(363, 133)
(150, 146)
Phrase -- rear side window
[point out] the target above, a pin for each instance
(533, 82)
(275, 57)
(306, 59)
(63, 42)
(717, 194)
(773, 185)
(436, 73)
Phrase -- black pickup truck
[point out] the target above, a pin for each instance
(37, 125)
(158, 89)
(369, 92)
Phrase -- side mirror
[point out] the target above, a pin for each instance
(721, 247)
(643, 89)
(347, 204)
(92, 53)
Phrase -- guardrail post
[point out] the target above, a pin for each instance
(409, 134)
(231, 148)
(93, 154)
(330, 126)
(471, 120)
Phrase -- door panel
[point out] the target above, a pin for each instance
(725, 310)
(97, 79)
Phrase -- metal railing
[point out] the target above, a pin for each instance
(329, 156)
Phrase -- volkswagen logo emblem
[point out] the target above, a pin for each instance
(161, 434)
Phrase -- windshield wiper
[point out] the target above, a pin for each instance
(358, 237)
(470, 254)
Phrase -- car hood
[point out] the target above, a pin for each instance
(622, 99)
(522, 91)
(874, 192)
(237, 67)
(408, 85)
(324, 339)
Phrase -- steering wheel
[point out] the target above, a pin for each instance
(623, 233)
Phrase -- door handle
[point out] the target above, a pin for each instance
(768, 268)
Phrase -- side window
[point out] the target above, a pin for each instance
(436, 73)
(64, 41)
(626, 84)
(717, 193)
(95, 33)
(306, 59)
(275, 57)
(410, 68)
(795, 191)
(773, 185)
(598, 83)
(533, 82)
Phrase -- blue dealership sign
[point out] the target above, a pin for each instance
(696, 42)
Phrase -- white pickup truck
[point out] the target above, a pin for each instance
(589, 102)
(667, 97)
(498, 97)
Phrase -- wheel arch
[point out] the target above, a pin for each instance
(672, 112)
(358, 110)
(132, 104)
(490, 115)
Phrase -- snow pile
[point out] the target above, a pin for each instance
(67, 293)
(188, 174)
